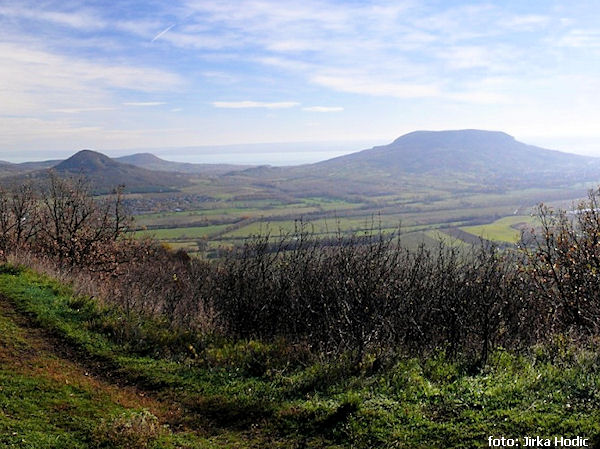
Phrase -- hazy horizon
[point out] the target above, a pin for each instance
(267, 153)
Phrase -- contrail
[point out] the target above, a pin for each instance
(162, 32)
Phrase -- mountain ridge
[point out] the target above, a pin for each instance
(430, 151)
(150, 161)
(459, 161)
(452, 160)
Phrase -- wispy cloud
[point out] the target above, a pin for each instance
(254, 104)
(323, 109)
(371, 86)
(580, 38)
(83, 20)
(67, 62)
(80, 110)
(220, 77)
(36, 80)
(528, 21)
(143, 103)
(370, 48)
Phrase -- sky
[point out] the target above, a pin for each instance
(193, 73)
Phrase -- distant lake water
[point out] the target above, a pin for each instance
(262, 154)
(294, 153)
(266, 158)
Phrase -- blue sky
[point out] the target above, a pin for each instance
(156, 74)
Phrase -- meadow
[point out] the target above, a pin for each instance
(222, 221)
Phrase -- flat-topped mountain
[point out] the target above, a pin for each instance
(151, 162)
(450, 161)
(462, 151)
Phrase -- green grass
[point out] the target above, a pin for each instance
(195, 232)
(446, 239)
(502, 230)
(321, 226)
(413, 206)
(254, 394)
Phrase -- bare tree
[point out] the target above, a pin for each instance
(19, 217)
(79, 228)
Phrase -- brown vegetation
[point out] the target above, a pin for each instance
(353, 296)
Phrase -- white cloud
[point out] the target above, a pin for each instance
(140, 27)
(203, 41)
(478, 56)
(34, 80)
(65, 134)
(220, 77)
(163, 32)
(579, 38)
(82, 20)
(373, 86)
(143, 103)
(479, 97)
(323, 109)
(254, 104)
(66, 60)
(80, 110)
(527, 21)
(402, 50)
(36, 130)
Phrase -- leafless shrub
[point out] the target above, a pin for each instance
(131, 430)
(564, 267)
(370, 295)
(352, 295)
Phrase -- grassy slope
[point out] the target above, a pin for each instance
(61, 379)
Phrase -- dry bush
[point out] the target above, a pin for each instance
(564, 266)
(348, 295)
(131, 430)
(370, 295)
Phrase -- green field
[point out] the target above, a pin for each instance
(445, 238)
(230, 213)
(505, 229)
(182, 233)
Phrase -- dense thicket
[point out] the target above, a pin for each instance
(354, 296)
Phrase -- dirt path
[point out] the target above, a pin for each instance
(31, 351)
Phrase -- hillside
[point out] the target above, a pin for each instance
(448, 161)
(151, 162)
(462, 151)
(485, 157)
(10, 169)
(7, 169)
(68, 381)
(105, 173)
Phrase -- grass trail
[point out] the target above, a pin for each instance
(56, 395)
(66, 383)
